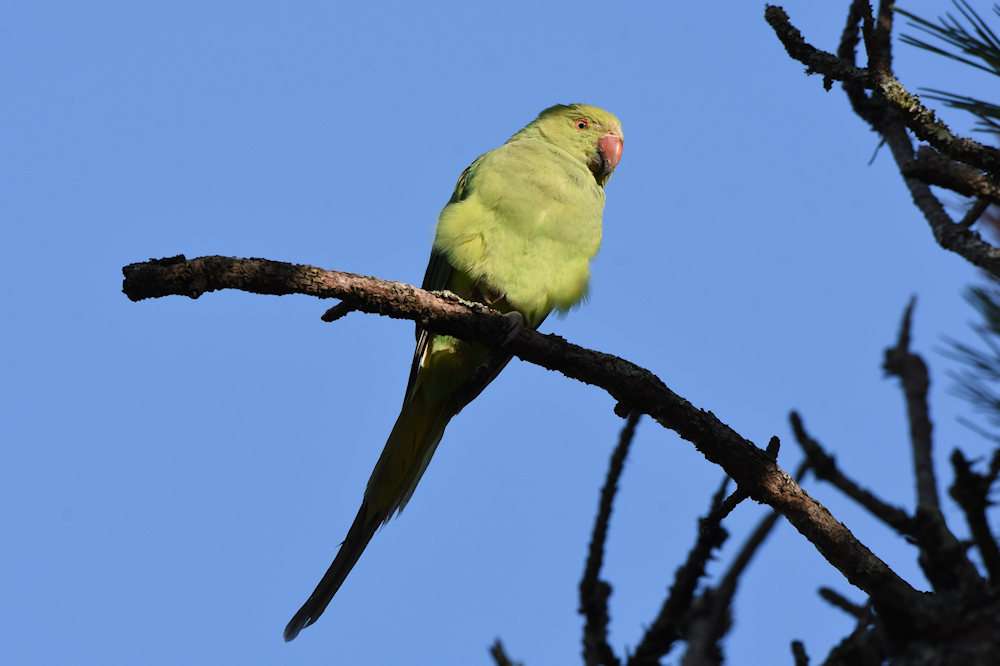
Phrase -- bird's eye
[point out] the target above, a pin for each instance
(582, 123)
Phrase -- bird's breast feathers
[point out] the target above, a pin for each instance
(527, 222)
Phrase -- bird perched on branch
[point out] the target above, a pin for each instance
(518, 235)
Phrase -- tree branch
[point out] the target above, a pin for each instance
(886, 112)
(751, 468)
(825, 468)
(971, 491)
(951, 236)
(837, 600)
(499, 655)
(934, 168)
(912, 372)
(799, 654)
(815, 60)
(847, 52)
(974, 212)
(865, 646)
(711, 613)
(594, 592)
(942, 557)
(338, 311)
(878, 77)
(726, 590)
(659, 637)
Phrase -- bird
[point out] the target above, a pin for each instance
(517, 235)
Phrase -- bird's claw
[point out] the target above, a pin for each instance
(516, 322)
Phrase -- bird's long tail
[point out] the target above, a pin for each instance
(407, 452)
(357, 538)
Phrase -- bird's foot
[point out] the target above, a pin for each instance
(516, 322)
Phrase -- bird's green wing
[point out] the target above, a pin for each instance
(436, 277)
(439, 274)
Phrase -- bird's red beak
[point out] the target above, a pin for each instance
(610, 147)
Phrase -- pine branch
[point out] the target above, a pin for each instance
(890, 110)
(976, 45)
(979, 375)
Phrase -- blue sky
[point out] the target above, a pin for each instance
(178, 474)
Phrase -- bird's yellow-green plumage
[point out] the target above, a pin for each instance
(518, 235)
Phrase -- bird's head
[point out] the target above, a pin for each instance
(588, 132)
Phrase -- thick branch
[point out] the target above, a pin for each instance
(825, 468)
(748, 465)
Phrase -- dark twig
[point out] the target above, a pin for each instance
(626, 382)
(336, 312)
(975, 211)
(837, 600)
(499, 655)
(773, 448)
(865, 646)
(706, 623)
(730, 503)
(942, 557)
(912, 372)
(659, 637)
(847, 52)
(815, 60)
(740, 494)
(878, 37)
(825, 468)
(971, 490)
(756, 539)
(799, 654)
(711, 612)
(933, 168)
(594, 592)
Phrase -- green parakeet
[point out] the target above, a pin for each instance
(518, 234)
